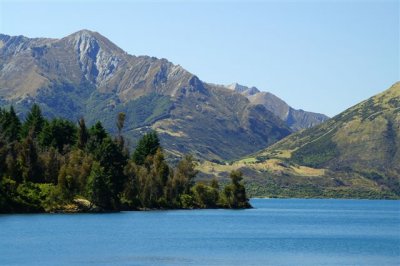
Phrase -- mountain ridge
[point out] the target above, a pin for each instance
(295, 119)
(85, 74)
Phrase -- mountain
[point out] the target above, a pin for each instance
(295, 119)
(84, 74)
(354, 154)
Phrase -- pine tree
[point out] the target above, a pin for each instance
(147, 145)
(34, 121)
(58, 133)
(10, 125)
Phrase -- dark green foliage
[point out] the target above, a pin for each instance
(56, 165)
(28, 159)
(83, 134)
(96, 135)
(10, 126)
(146, 146)
(34, 122)
(58, 133)
(110, 156)
(99, 187)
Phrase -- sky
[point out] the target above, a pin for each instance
(321, 56)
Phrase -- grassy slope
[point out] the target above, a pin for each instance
(354, 155)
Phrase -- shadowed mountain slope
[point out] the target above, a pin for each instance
(84, 74)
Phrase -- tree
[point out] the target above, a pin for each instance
(185, 173)
(98, 187)
(113, 159)
(214, 183)
(58, 133)
(181, 180)
(97, 134)
(3, 154)
(34, 122)
(130, 192)
(29, 162)
(10, 125)
(154, 180)
(51, 161)
(74, 173)
(83, 134)
(146, 146)
(205, 196)
(235, 193)
(120, 126)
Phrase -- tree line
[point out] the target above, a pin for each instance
(48, 165)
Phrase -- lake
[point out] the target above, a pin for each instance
(275, 232)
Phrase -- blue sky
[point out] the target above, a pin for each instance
(321, 56)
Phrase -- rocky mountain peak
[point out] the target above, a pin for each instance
(98, 57)
(296, 119)
(243, 89)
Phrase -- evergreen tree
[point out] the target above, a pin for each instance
(97, 134)
(146, 146)
(10, 125)
(3, 154)
(58, 133)
(83, 134)
(112, 158)
(34, 122)
(29, 162)
(51, 160)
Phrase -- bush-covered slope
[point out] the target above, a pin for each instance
(354, 154)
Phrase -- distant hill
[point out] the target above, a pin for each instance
(354, 154)
(85, 74)
(295, 119)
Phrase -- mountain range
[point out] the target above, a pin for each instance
(86, 75)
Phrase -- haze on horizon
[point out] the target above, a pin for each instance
(318, 56)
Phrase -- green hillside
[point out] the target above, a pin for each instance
(354, 154)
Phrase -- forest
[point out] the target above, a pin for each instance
(55, 165)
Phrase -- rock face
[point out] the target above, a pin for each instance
(84, 74)
(295, 119)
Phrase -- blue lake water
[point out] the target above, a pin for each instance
(275, 232)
